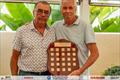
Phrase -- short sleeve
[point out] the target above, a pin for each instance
(17, 41)
(89, 35)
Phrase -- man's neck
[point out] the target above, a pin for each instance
(40, 27)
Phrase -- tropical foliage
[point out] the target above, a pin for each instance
(108, 19)
(19, 13)
(55, 14)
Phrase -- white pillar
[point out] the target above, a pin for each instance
(84, 11)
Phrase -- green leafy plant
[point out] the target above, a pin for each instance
(113, 71)
(2, 27)
(55, 14)
(108, 21)
(110, 25)
(19, 15)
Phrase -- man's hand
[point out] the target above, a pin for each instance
(77, 72)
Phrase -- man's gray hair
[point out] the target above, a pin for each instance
(43, 2)
(62, 1)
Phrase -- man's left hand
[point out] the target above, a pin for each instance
(77, 72)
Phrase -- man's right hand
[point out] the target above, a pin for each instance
(14, 61)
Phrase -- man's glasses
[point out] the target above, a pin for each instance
(46, 12)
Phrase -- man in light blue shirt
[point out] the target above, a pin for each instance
(77, 31)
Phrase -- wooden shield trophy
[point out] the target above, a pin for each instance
(62, 57)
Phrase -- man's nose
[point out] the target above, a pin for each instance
(67, 10)
(43, 14)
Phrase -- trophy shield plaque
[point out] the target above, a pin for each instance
(62, 57)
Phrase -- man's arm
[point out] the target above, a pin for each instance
(14, 61)
(91, 59)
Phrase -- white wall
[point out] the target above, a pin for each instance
(6, 39)
(108, 44)
(109, 50)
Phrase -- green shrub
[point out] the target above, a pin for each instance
(113, 71)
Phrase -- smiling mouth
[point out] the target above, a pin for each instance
(41, 19)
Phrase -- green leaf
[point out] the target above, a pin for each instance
(106, 23)
(114, 27)
(3, 27)
(19, 15)
(110, 25)
(94, 11)
(97, 29)
(11, 22)
(105, 12)
(19, 11)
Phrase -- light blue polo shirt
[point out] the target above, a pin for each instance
(79, 33)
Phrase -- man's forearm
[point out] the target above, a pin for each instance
(88, 63)
(14, 62)
(14, 67)
(94, 54)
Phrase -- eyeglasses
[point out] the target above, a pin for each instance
(46, 12)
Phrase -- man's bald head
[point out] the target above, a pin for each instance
(68, 1)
